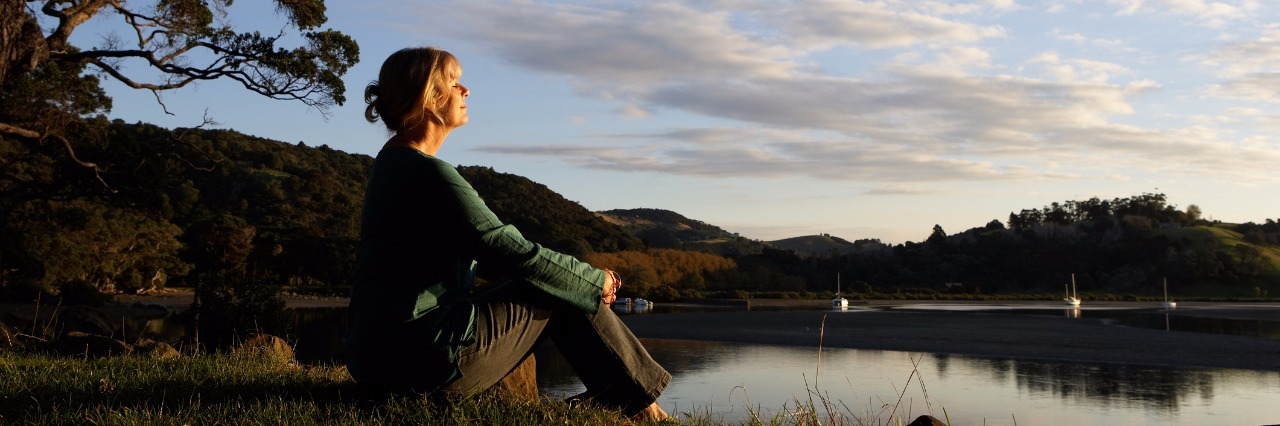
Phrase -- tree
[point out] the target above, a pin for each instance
(938, 236)
(1193, 213)
(181, 41)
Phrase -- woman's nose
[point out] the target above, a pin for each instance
(465, 91)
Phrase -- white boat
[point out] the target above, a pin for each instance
(1168, 304)
(641, 302)
(622, 301)
(839, 302)
(1071, 299)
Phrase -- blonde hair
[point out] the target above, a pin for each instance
(412, 89)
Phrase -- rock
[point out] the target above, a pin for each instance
(268, 346)
(521, 382)
(85, 319)
(926, 421)
(76, 343)
(154, 349)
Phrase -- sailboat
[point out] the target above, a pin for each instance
(1168, 304)
(1071, 299)
(839, 302)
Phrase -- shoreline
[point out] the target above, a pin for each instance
(980, 334)
(942, 327)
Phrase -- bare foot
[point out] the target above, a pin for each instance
(651, 413)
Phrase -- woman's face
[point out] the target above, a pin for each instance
(456, 112)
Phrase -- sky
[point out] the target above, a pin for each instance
(855, 118)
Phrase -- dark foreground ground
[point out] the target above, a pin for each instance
(997, 335)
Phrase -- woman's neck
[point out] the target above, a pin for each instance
(428, 141)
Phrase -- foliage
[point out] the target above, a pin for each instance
(544, 216)
(91, 242)
(657, 273)
(1266, 233)
(183, 42)
(1118, 246)
(206, 202)
(50, 88)
(88, 201)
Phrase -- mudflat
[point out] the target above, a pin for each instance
(982, 334)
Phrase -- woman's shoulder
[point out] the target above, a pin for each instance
(419, 162)
(410, 156)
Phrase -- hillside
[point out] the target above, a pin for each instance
(192, 206)
(178, 207)
(667, 229)
(824, 244)
(1259, 263)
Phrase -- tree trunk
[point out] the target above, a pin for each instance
(22, 45)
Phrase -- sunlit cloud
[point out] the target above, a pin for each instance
(1250, 69)
(944, 108)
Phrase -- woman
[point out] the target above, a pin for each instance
(416, 325)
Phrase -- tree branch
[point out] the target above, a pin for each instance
(32, 134)
(97, 172)
(18, 131)
(68, 19)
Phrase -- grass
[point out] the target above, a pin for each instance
(234, 389)
(244, 388)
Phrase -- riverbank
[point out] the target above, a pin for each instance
(983, 334)
(934, 327)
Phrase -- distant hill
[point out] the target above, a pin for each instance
(190, 206)
(814, 244)
(667, 229)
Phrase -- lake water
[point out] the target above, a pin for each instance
(735, 382)
(731, 380)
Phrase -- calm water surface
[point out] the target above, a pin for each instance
(734, 382)
(731, 381)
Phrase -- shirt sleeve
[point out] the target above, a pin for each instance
(501, 245)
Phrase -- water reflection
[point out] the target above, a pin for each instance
(632, 308)
(724, 379)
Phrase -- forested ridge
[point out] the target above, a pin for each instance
(188, 206)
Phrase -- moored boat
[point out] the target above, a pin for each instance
(1071, 299)
(1168, 304)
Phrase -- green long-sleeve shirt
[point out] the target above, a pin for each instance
(423, 230)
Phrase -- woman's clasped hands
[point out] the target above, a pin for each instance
(612, 282)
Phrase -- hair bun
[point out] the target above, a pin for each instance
(371, 94)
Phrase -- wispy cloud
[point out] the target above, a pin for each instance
(943, 108)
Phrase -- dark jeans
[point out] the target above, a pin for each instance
(513, 319)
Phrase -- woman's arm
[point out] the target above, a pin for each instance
(501, 245)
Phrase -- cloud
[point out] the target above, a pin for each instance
(1250, 69)
(822, 24)
(1213, 14)
(630, 48)
(1139, 87)
(1075, 70)
(939, 111)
